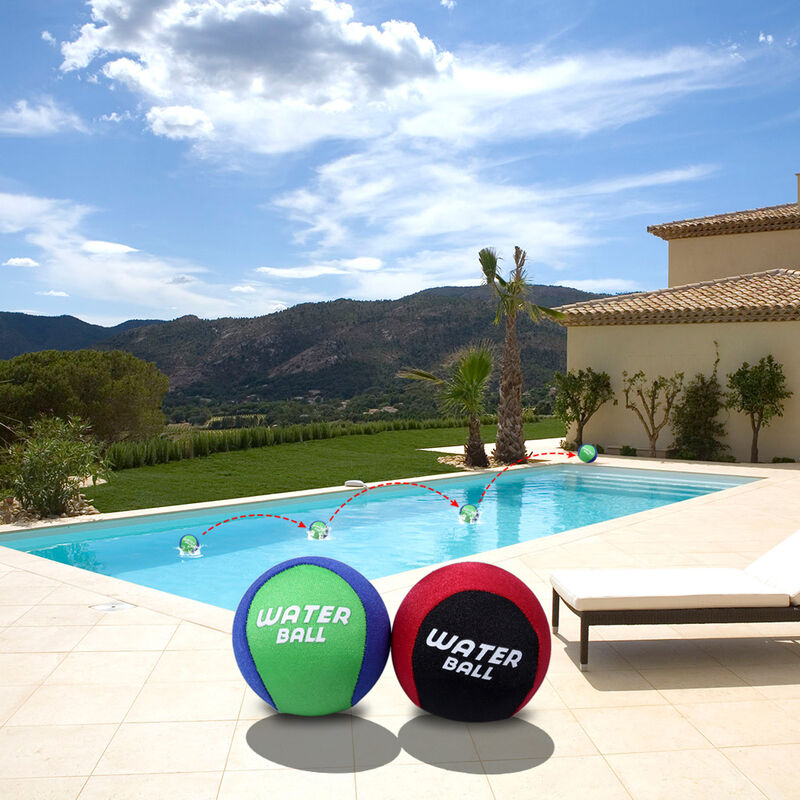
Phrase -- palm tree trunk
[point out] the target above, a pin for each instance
(474, 449)
(510, 445)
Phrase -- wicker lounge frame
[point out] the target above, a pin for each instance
(669, 616)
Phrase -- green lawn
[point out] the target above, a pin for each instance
(290, 467)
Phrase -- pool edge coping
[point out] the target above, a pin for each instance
(221, 619)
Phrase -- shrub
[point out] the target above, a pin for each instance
(627, 450)
(46, 466)
(783, 460)
(579, 395)
(759, 392)
(698, 431)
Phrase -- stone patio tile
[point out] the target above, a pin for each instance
(688, 775)
(306, 743)
(189, 636)
(41, 639)
(639, 729)
(184, 666)
(774, 769)
(24, 595)
(776, 681)
(73, 596)
(41, 788)
(496, 741)
(555, 779)
(564, 657)
(80, 705)
(700, 684)
(604, 688)
(55, 615)
(137, 616)
(118, 668)
(18, 669)
(286, 784)
(652, 654)
(126, 637)
(185, 786)
(168, 702)
(10, 614)
(23, 578)
(155, 747)
(51, 750)
(742, 723)
(11, 698)
(401, 781)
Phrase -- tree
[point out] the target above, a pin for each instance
(464, 393)
(118, 394)
(698, 431)
(758, 391)
(51, 458)
(579, 395)
(647, 401)
(512, 299)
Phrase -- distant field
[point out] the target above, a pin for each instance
(291, 467)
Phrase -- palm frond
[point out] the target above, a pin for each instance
(419, 375)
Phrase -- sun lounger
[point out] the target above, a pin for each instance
(766, 591)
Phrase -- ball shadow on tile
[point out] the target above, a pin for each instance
(510, 745)
(321, 744)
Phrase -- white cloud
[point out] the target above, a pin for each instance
(116, 116)
(766, 38)
(21, 262)
(302, 273)
(244, 289)
(42, 119)
(448, 4)
(53, 293)
(106, 248)
(49, 38)
(341, 266)
(601, 285)
(270, 77)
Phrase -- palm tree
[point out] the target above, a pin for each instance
(512, 299)
(463, 393)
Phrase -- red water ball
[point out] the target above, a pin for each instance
(470, 642)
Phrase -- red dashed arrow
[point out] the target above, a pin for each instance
(393, 483)
(396, 483)
(247, 516)
(519, 461)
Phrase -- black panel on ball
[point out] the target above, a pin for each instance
(467, 690)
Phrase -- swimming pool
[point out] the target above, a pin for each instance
(383, 531)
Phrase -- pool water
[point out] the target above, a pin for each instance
(383, 531)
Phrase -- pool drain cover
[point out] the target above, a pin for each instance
(117, 605)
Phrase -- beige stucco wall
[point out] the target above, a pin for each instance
(708, 257)
(689, 348)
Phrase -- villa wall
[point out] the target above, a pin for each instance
(706, 258)
(666, 349)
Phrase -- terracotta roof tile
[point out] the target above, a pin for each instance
(758, 297)
(771, 218)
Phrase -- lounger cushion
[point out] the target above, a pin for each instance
(780, 567)
(690, 587)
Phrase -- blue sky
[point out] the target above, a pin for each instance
(233, 157)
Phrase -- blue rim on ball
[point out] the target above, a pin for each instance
(311, 636)
(587, 453)
(189, 544)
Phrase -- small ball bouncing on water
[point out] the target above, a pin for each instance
(587, 453)
(468, 513)
(188, 545)
(311, 636)
(318, 530)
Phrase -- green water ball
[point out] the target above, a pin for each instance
(311, 636)
(587, 453)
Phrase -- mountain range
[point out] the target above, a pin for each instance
(311, 352)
